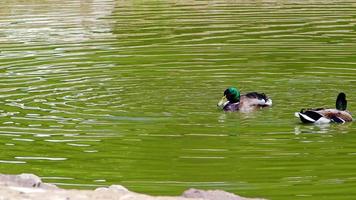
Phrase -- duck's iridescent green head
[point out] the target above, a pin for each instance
(231, 95)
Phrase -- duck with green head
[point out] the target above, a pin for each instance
(327, 115)
(234, 101)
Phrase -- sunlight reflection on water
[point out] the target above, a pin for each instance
(55, 21)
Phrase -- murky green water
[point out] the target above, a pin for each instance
(101, 92)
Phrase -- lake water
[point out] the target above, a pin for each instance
(103, 92)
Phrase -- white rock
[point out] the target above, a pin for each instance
(119, 188)
(101, 189)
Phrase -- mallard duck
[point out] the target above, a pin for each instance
(322, 115)
(233, 101)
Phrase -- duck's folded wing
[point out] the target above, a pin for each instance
(259, 99)
(338, 120)
(259, 102)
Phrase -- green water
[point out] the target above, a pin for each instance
(108, 92)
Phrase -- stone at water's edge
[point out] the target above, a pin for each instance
(214, 195)
(30, 187)
(24, 180)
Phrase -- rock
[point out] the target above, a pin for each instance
(101, 189)
(24, 180)
(30, 187)
(114, 190)
(213, 195)
(118, 188)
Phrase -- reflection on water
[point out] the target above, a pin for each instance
(100, 92)
(314, 128)
(55, 21)
(39, 158)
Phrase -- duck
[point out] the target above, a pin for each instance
(232, 101)
(327, 115)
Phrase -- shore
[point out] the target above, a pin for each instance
(30, 187)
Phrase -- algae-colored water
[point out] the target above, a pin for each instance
(101, 92)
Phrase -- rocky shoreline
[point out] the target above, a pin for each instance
(30, 187)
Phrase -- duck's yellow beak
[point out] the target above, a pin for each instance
(222, 103)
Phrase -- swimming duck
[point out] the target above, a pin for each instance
(233, 101)
(322, 115)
